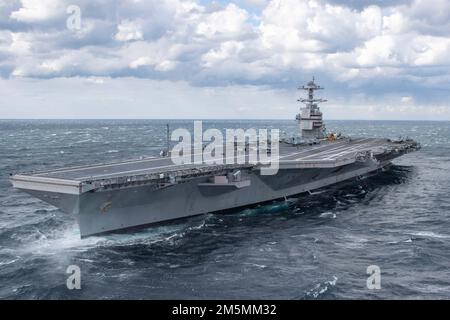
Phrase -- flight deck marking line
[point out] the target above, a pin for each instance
(82, 168)
(321, 154)
(339, 147)
(330, 150)
(108, 165)
(377, 144)
(355, 149)
(306, 151)
(334, 151)
(152, 168)
(97, 166)
(352, 149)
(312, 149)
(363, 147)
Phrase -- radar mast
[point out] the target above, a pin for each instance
(310, 117)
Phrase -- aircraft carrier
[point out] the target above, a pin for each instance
(135, 193)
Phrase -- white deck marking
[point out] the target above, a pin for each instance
(88, 167)
(329, 150)
(354, 149)
(148, 170)
(347, 149)
(325, 152)
(312, 149)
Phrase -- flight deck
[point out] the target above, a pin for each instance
(326, 154)
(288, 154)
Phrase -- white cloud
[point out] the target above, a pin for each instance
(395, 23)
(224, 52)
(166, 65)
(431, 11)
(129, 30)
(38, 10)
(289, 36)
(399, 46)
(407, 99)
(96, 80)
(429, 51)
(378, 51)
(19, 44)
(259, 3)
(141, 61)
(224, 24)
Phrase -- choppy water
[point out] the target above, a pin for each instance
(316, 246)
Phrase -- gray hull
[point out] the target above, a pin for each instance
(105, 211)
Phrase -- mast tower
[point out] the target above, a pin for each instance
(310, 117)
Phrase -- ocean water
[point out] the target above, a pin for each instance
(315, 246)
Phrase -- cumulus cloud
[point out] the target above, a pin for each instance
(129, 30)
(35, 11)
(224, 24)
(376, 47)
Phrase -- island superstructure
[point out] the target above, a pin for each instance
(135, 193)
(310, 117)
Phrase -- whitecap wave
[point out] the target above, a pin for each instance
(321, 288)
(328, 214)
(430, 234)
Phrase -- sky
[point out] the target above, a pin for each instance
(242, 59)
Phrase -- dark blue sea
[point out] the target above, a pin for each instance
(317, 247)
